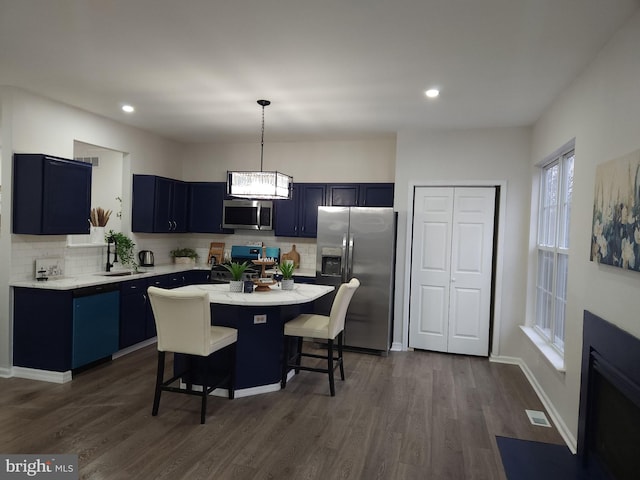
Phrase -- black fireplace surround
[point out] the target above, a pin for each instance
(609, 416)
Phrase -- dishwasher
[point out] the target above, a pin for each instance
(96, 319)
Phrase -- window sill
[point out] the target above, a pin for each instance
(548, 352)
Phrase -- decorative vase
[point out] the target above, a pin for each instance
(96, 234)
(236, 286)
(287, 284)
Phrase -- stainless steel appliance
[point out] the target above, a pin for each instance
(146, 258)
(359, 242)
(247, 214)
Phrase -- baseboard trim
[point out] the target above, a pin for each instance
(41, 375)
(5, 372)
(133, 348)
(244, 392)
(565, 433)
(396, 346)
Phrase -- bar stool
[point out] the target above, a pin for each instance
(322, 327)
(183, 323)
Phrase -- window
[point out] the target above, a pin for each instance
(556, 187)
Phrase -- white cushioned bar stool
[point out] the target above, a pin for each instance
(320, 327)
(183, 323)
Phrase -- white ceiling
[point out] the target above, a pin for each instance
(332, 68)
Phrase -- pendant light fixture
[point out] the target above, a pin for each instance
(260, 185)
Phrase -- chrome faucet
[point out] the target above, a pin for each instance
(115, 252)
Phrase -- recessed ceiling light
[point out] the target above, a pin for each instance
(432, 93)
(128, 108)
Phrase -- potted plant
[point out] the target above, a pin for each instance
(237, 270)
(287, 268)
(184, 255)
(124, 248)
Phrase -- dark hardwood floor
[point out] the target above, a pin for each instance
(411, 415)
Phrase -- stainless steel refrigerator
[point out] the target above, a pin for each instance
(359, 242)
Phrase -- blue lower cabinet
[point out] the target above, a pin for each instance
(133, 312)
(42, 329)
(96, 320)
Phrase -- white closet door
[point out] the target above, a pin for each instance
(431, 268)
(451, 269)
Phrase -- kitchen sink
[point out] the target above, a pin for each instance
(119, 274)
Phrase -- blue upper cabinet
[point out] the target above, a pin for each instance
(360, 195)
(298, 217)
(285, 215)
(376, 195)
(343, 195)
(205, 207)
(159, 205)
(311, 196)
(51, 195)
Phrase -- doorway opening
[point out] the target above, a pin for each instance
(106, 184)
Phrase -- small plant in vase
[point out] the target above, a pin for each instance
(237, 270)
(287, 268)
(184, 255)
(98, 219)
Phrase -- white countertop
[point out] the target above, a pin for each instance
(302, 293)
(100, 278)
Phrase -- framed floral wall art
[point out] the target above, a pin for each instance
(615, 239)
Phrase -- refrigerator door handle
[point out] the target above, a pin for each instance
(349, 269)
(345, 267)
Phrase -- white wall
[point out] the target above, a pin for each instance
(601, 109)
(370, 160)
(32, 124)
(454, 157)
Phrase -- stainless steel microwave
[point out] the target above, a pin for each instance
(248, 214)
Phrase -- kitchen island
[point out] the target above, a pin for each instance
(259, 318)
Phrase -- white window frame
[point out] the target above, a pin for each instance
(552, 247)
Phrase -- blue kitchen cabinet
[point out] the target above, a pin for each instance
(42, 329)
(205, 207)
(197, 277)
(298, 217)
(312, 196)
(136, 316)
(173, 280)
(360, 195)
(159, 205)
(134, 309)
(51, 195)
(376, 195)
(285, 215)
(343, 195)
(60, 330)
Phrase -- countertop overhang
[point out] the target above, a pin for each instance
(301, 293)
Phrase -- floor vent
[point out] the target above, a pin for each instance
(538, 418)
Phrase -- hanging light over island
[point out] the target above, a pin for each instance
(263, 185)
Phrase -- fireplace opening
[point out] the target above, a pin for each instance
(615, 437)
(609, 416)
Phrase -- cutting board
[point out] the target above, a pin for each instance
(216, 249)
(292, 255)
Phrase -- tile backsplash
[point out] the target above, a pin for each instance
(77, 260)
